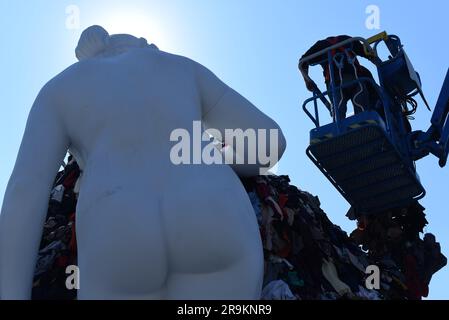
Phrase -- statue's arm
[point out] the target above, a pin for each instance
(224, 108)
(25, 203)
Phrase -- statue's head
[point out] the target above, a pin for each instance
(96, 41)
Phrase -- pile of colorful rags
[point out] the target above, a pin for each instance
(307, 257)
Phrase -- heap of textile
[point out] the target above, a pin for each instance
(392, 241)
(58, 243)
(307, 257)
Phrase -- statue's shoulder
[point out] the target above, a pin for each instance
(63, 86)
(73, 75)
(71, 72)
(175, 58)
(74, 70)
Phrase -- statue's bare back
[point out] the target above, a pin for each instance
(147, 228)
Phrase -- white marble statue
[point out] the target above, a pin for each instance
(146, 228)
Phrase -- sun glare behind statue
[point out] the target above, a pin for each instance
(139, 24)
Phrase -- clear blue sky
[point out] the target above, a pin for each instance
(252, 45)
